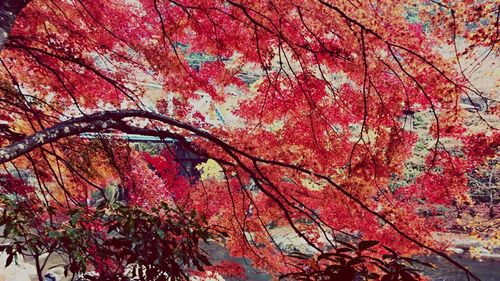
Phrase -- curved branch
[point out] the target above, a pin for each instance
(114, 119)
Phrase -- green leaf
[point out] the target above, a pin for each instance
(3, 247)
(8, 229)
(299, 255)
(390, 277)
(346, 244)
(54, 234)
(364, 245)
(356, 260)
(326, 256)
(10, 258)
(161, 233)
(341, 250)
(73, 267)
(407, 277)
(205, 260)
(390, 250)
(74, 218)
(388, 257)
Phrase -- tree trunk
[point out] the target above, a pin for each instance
(9, 9)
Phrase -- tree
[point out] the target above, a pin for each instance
(316, 94)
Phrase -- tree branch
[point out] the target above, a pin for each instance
(114, 119)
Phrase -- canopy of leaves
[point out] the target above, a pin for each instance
(304, 108)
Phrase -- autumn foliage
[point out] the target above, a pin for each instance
(300, 112)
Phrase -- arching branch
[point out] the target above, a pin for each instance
(114, 119)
